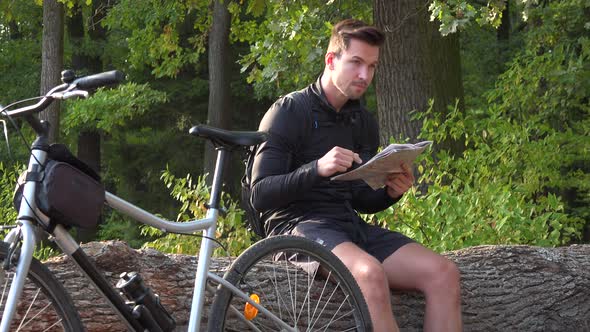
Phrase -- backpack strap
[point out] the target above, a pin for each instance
(303, 101)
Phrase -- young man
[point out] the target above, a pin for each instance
(323, 130)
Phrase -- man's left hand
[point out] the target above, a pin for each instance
(398, 183)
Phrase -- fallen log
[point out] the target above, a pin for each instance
(504, 288)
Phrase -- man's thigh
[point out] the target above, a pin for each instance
(328, 233)
(382, 243)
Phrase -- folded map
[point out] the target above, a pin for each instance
(374, 172)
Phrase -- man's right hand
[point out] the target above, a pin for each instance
(337, 160)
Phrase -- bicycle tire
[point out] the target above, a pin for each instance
(44, 304)
(312, 310)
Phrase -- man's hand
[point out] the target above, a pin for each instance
(398, 183)
(337, 160)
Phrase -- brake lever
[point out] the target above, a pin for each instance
(70, 94)
(76, 93)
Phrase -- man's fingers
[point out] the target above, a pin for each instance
(357, 158)
(408, 172)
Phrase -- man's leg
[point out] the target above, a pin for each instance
(416, 267)
(371, 277)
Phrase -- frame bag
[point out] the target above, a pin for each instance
(67, 195)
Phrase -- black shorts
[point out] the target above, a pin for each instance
(381, 242)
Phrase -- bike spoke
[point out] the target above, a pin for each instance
(28, 310)
(54, 324)
(48, 306)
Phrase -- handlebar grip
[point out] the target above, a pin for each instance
(98, 80)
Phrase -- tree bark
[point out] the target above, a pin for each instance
(416, 64)
(219, 110)
(503, 33)
(504, 288)
(89, 141)
(52, 60)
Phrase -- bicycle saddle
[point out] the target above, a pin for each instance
(228, 139)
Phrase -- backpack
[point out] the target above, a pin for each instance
(254, 220)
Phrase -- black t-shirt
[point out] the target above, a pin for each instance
(286, 187)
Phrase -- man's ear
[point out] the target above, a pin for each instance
(329, 60)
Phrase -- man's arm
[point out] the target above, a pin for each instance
(275, 184)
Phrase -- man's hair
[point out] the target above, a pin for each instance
(349, 29)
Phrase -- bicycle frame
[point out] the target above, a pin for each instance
(30, 216)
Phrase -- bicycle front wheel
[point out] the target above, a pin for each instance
(44, 304)
(299, 281)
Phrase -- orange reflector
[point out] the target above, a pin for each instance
(250, 311)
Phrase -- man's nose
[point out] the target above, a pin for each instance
(363, 73)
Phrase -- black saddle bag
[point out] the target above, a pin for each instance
(67, 195)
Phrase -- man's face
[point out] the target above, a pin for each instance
(354, 69)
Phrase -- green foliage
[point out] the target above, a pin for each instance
(44, 251)
(484, 57)
(8, 177)
(8, 214)
(24, 16)
(117, 226)
(455, 15)
(550, 79)
(108, 109)
(548, 85)
(20, 65)
(287, 46)
(193, 197)
(527, 142)
(495, 193)
(163, 36)
(20, 50)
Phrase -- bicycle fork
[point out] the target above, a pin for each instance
(27, 233)
(24, 234)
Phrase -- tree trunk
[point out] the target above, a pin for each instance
(219, 110)
(89, 141)
(417, 64)
(504, 288)
(503, 33)
(52, 60)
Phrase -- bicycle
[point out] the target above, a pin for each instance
(29, 286)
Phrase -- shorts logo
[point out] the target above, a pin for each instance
(320, 241)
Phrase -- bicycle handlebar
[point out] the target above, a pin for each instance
(68, 90)
(98, 80)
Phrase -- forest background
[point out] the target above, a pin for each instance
(501, 87)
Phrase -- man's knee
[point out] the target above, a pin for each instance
(445, 277)
(370, 272)
(372, 280)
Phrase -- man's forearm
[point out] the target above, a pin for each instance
(275, 191)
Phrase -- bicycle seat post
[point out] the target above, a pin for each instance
(215, 199)
(206, 250)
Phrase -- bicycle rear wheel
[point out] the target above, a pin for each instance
(44, 304)
(283, 272)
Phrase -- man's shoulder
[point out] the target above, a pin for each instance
(287, 114)
(297, 102)
(300, 97)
